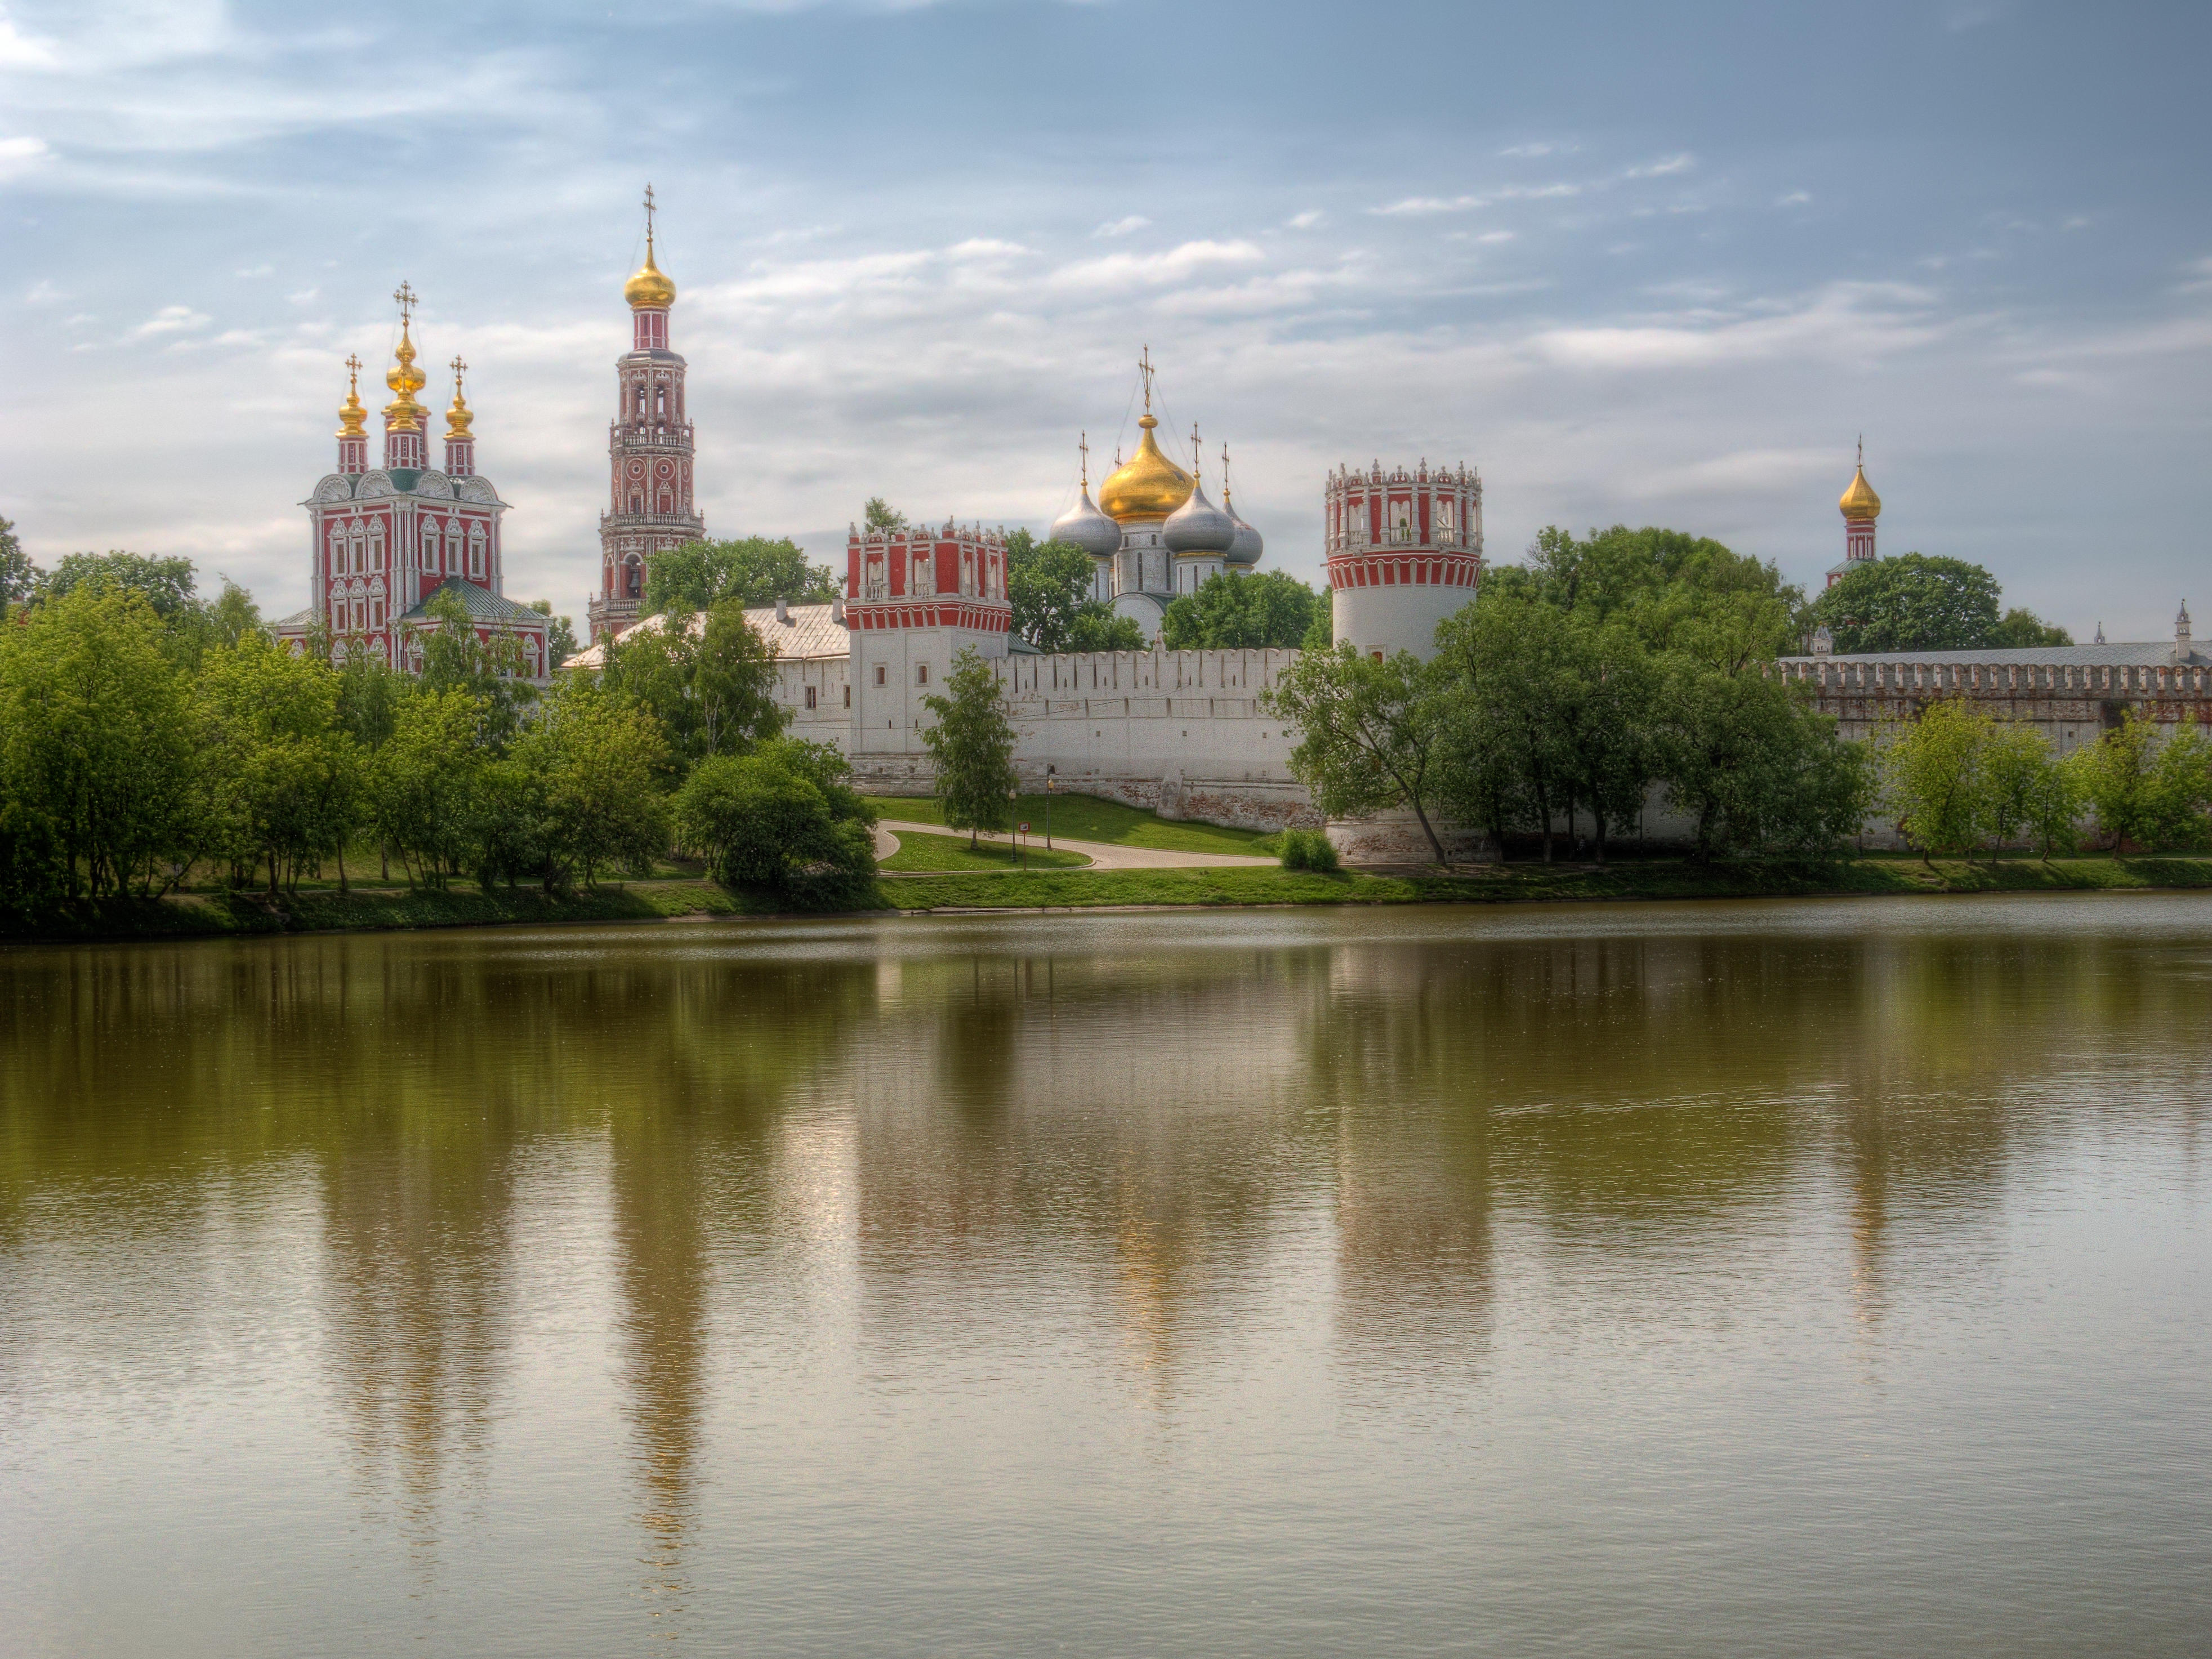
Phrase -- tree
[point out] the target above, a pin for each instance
(1235, 611)
(598, 761)
(880, 514)
(96, 752)
(1936, 777)
(1098, 627)
(1369, 733)
(166, 584)
(755, 571)
(783, 818)
(2021, 627)
(422, 782)
(1050, 584)
(1910, 603)
(19, 577)
(560, 638)
(489, 671)
(1655, 579)
(2145, 791)
(1510, 661)
(972, 742)
(280, 774)
(709, 685)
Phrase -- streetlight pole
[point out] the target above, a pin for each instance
(1050, 784)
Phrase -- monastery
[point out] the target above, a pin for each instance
(1181, 731)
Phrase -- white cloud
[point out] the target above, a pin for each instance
(1154, 270)
(41, 292)
(1673, 164)
(1845, 322)
(1794, 198)
(251, 272)
(1307, 220)
(21, 50)
(1530, 152)
(1496, 236)
(170, 319)
(306, 296)
(1135, 221)
(19, 155)
(983, 247)
(1417, 206)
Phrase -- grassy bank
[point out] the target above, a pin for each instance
(464, 905)
(1087, 817)
(918, 851)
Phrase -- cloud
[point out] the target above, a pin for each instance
(19, 155)
(42, 291)
(20, 51)
(306, 296)
(1307, 220)
(1496, 236)
(1135, 221)
(1673, 164)
(1530, 152)
(1794, 198)
(170, 319)
(1154, 270)
(983, 247)
(251, 272)
(1845, 322)
(1414, 206)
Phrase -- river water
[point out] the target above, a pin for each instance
(1809, 1277)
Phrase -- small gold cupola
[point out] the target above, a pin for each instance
(353, 419)
(459, 415)
(1859, 502)
(1149, 486)
(402, 413)
(648, 288)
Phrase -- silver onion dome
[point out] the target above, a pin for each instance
(1198, 527)
(1085, 527)
(1245, 549)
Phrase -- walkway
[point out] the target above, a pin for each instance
(1103, 855)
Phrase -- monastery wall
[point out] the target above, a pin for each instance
(2070, 703)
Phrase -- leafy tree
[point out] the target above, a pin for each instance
(1653, 578)
(1371, 734)
(598, 761)
(166, 584)
(2021, 627)
(1321, 634)
(508, 823)
(19, 577)
(972, 742)
(1239, 612)
(709, 685)
(880, 514)
(757, 570)
(1915, 602)
(2025, 789)
(422, 782)
(1936, 777)
(280, 775)
(489, 671)
(560, 638)
(1509, 660)
(1050, 584)
(1099, 627)
(96, 753)
(2147, 793)
(783, 818)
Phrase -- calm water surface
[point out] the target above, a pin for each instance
(1821, 1278)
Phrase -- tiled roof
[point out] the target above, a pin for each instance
(810, 630)
(481, 603)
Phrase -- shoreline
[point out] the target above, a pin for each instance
(196, 916)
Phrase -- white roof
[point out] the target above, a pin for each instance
(808, 630)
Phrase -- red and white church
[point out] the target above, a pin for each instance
(385, 540)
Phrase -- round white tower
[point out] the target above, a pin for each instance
(1405, 551)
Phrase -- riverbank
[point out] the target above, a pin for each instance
(466, 906)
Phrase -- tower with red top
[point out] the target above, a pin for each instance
(384, 540)
(915, 599)
(1405, 551)
(649, 449)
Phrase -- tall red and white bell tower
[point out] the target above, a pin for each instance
(649, 449)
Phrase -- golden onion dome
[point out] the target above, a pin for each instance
(459, 415)
(1150, 487)
(649, 290)
(1860, 502)
(352, 417)
(405, 380)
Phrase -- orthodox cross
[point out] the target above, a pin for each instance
(1083, 448)
(1224, 473)
(1145, 368)
(458, 365)
(648, 212)
(353, 373)
(1861, 451)
(1197, 455)
(405, 296)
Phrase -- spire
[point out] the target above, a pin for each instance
(2181, 626)
(353, 419)
(1226, 497)
(457, 415)
(402, 413)
(2099, 640)
(1197, 455)
(648, 288)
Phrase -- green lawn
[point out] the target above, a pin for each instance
(920, 852)
(1087, 817)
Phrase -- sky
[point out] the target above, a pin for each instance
(1637, 264)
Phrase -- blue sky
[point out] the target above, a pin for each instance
(1638, 263)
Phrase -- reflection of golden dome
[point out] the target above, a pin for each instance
(1150, 487)
(403, 412)
(1860, 502)
(650, 289)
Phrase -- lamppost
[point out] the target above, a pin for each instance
(1051, 783)
(1013, 816)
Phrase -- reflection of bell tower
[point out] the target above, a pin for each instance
(649, 445)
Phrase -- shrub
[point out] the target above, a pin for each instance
(781, 819)
(1307, 849)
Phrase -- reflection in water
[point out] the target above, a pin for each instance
(836, 1160)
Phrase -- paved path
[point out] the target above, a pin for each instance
(1103, 855)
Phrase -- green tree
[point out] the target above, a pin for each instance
(1654, 580)
(422, 783)
(2021, 627)
(1936, 777)
(1509, 660)
(972, 743)
(755, 570)
(783, 818)
(2022, 781)
(709, 684)
(1239, 612)
(96, 752)
(1371, 734)
(880, 514)
(560, 638)
(280, 775)
(166, 584)
(2148, 790)
(1915, 602)
(19, 577)
(599, 760)
(487, 668)
(1049, 584)
(1098, 627)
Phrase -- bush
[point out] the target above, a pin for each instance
(1307, 849)
(781, 819)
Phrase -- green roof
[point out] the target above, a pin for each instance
(482, 604)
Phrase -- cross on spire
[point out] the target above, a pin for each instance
(1082, 448)
(353, 372)
(648, 215)
(405, 296)
(1861, 451)
(458, 368)
(1145, 368)
(1225, 472)
(1197, 454)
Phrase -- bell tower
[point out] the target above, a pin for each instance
(649, 450)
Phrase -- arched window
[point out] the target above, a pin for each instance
(635, 582)
(636, 502)
(476, 550)
(337, 551)
(660, 401)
